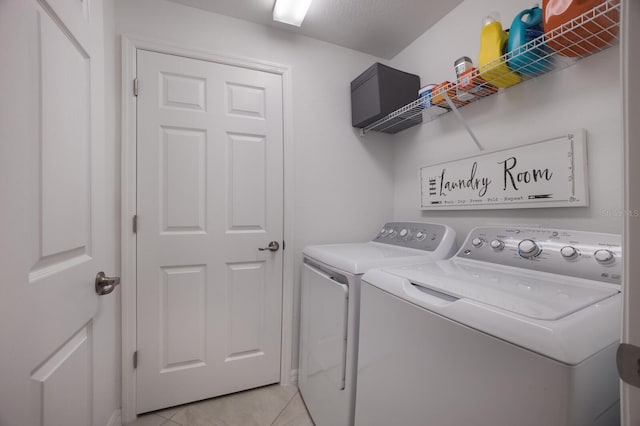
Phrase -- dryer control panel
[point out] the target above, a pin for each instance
(580, 254)
(417, 235)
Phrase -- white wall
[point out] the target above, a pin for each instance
(585, 95)
(343, 183)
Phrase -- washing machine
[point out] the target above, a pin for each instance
(330, 309)
(519, 328)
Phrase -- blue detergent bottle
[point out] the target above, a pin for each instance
(527, 26)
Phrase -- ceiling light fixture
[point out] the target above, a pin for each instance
(291, 12)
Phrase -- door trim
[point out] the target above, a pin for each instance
(130, 45)
(630, 37)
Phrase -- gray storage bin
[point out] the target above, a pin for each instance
(379, 91)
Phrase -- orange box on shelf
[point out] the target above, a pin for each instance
(437, 95)
(471, 82)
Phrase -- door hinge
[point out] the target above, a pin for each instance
(135, 87)
(135, 359)
(628, 361)
(135, 224)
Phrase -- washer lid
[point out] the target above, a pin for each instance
(570, 340)
(532, 294)
(357, 258)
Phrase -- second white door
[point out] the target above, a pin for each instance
(210, 177)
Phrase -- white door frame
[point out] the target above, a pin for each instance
(130, 46)
(630, 38)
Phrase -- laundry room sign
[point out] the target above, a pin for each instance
(550, 173)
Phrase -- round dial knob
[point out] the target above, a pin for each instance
(568, 252)
(383, 232)
(420, 235)
(604, 256)
(497, 244)
(404, 233)
(477, 242)
(528, 249)
(391, 232)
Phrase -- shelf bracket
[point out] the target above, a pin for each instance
(462, 120)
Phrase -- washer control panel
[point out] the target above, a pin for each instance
(417, 235)
(580, 254)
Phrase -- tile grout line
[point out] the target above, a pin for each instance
(173, 415)
(294, 394)
(172, 422)
(285, 407)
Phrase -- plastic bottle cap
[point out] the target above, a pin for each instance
(491, 17)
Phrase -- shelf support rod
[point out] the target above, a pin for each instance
(461, 119)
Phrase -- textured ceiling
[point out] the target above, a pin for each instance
(378, 27)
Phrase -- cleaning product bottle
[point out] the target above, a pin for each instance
(493, 40)
(524, 58)
(596, 31)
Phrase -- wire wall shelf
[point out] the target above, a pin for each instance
(589, 33)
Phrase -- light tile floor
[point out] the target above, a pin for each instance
(273, 405)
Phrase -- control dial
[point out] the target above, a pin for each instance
(383, 232)
(391, 232)
(477, 242)
(497, 244)
(420, 235)
(528, 249)
(569, 252)
(604, 256)
(405, 233)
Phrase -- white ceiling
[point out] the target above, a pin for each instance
(378, 27)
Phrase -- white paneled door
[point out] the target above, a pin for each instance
(52, 208)
(209, 185)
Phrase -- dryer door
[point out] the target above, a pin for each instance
(323, 348)
(324, 328)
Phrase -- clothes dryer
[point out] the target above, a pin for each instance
(330, 309)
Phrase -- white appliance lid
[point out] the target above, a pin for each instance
(570, 340)
(532, 294)
(357, 258)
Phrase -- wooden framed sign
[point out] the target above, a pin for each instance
(550, 173)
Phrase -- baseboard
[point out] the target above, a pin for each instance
(115, 419)
(293, 376)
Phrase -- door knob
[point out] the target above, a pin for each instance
(104, 284)
(273, 246)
